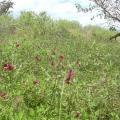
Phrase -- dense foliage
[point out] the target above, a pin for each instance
(57, 70)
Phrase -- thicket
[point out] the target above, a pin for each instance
(37, 25)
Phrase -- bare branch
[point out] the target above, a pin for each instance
(107, 9)
(5, 6)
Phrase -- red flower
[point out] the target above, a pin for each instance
(77, 114)
(70, 76)
(36, 82)
(3, 95)
(13, 30)
(37, 58)
(17, 45)
(8, 67)
(61, 58)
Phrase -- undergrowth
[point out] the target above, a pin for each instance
(57, 70)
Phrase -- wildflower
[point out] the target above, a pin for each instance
(77, 114)
(36, 82)
(13, 30)
(3, 95)
(8, 67)
(17, 45)
(70, 76)
(61, 58)
(37, 58)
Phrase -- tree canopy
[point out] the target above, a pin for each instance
(5, 6)
(107, 9)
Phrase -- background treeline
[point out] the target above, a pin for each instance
(30, 24)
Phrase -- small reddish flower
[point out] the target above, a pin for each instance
(8, 67)
(36, 82)
(3, 95)
(37, 58)
(61, 58)
(77, 114)
(17, 45)
(70, 76)
(13, 32)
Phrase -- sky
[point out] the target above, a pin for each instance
(57, 9)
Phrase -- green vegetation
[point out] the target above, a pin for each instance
(57, 70)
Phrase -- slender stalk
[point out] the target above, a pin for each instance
(61, 97)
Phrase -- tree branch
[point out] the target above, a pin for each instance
(115, 36)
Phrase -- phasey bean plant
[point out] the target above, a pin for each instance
(108, 9)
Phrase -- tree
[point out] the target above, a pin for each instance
(107, 9)
(5, 6)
